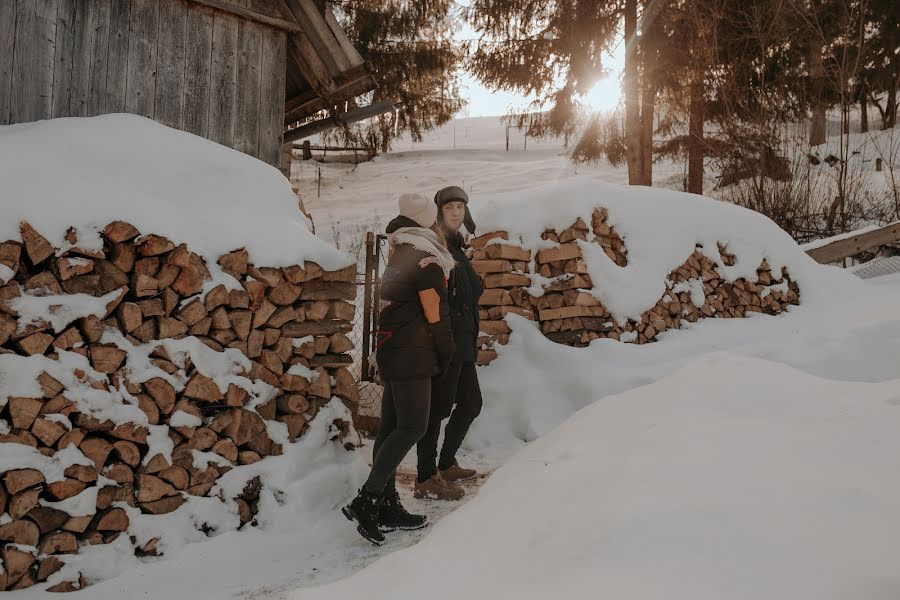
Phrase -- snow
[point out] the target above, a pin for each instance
(82, 504)
(161, 180)
(732, 478)
(6, 274)
(59, 310)
(301, 370)
(180, 418)
(20, 456)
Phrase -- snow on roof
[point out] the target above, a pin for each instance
(87, 172)
(660, 228)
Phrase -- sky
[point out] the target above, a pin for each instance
(484, 102)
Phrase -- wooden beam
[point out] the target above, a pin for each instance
(320, 35)
(306, 58)
(251, 14)
(311, 101)
(351, 116)
(857, 244)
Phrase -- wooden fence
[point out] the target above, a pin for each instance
(851, 246)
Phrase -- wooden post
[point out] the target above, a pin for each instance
(307, 151)
(287, 158)
(318, 182)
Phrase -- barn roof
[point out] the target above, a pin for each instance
(323, 67)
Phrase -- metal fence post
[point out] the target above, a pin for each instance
(371, 265)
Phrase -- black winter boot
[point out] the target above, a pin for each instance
(364, 510)
(393, 516)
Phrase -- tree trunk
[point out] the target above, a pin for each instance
(890, 108)
(695, 139)
(648, 106)
(632, 96)
(817, 73)
(863, 114)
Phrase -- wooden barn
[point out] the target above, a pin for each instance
(238, 72)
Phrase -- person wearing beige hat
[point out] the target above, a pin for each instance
(414, 343)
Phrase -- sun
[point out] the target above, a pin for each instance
(604, 97)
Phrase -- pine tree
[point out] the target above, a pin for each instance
(549, 49)
(408, 45)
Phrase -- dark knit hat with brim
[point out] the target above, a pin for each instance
(454, 193)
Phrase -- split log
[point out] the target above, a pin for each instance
(506, 280)
(483, 267)
(16, 562)
(151, 488)
(36, 246)
(113, 519)
(20, 531)
(23, 411)
(60, 490)
(22, 503)
(20, 479)
(507, 252)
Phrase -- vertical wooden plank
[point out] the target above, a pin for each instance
(82, 39)
(170, 70)
(62, 59)
(7, 57)
(197, 67)
(99, 57)
(23, 79)
(117, 62)
(32, 81)
(249, 59)
(271, 97)
(223, 91)
(140, 80)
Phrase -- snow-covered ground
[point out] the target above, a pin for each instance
(745, 458)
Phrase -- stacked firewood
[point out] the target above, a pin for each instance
(288, 324)
(569, 314)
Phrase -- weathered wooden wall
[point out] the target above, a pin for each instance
(182, 64)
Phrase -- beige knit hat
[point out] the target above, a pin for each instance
(418, 208)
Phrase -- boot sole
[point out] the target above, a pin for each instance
(351, 516)
(384, 529)
(436, 497)
(470, 478)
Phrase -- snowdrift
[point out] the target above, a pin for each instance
(173, 353)
(733, 477)
(590, 260)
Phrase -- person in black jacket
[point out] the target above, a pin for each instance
(414, 343)
(460, 386)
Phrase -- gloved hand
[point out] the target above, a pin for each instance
(443, 345)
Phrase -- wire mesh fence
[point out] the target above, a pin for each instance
(877, 267)
(368, 408)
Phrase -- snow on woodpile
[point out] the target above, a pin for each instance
(590, 260)
(169, 328)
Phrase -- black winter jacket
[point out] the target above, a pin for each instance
(405, 347)
(464, 289)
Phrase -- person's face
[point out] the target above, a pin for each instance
(454, 212)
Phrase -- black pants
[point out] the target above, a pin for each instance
(404, 419)
(460, 386)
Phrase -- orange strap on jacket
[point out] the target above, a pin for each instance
(431, 304)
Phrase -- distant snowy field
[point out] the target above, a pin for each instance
(346, 200)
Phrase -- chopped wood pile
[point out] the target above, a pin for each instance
(283, 326)
(568, 313)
